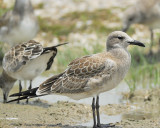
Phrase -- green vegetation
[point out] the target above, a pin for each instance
(144, 71)
(2, 11)
(55, 28)
(95, 21)
(39, 6)
(3, 8)
(98, 15)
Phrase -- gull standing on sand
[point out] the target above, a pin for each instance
(145, 12)
(19, 25)
(25, 62)
(90, 75)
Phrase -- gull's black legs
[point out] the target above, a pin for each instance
(93, 110)
(97, 110)
(20, 89)
(30, 87)
(4, 98)
(151, 41)
(95, 106)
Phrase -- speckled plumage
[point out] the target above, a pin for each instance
(27, 60)
(78, 74)
(19, 55)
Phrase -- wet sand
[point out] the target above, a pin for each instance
(141, 111)
(43, 115)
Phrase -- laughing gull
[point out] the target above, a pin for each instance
(145, 12)
(19, 25)
(25, 62)
(90, 75)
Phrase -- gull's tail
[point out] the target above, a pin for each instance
(53, 49)
(44, 89)
(47, 49)
(60, 44)
(25, 95)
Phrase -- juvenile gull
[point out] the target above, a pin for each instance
(19, 25)
(25, 62)
(90, 75)
(146, 12)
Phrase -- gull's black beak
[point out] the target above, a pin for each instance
(135, 42)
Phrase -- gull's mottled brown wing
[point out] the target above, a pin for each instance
(77, 75)
(45, 87)
(20, 55)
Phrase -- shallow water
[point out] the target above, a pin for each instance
(105, 120)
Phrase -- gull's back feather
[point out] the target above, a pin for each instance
(20, 55)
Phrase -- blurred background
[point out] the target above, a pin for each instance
(85, 24)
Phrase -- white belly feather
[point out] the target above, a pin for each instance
(33, 68)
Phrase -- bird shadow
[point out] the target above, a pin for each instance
(53, 125)
(37, 102)
(64, 126)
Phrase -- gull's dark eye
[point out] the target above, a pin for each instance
(120, 37)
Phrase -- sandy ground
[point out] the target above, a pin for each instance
(43, 115)
(142, 111)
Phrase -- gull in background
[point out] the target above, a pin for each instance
(25, 62)
(90, 75)
(146, 12)
(18, 25)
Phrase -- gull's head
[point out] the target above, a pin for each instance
(119, 39)
(131, 16)
(23, 5)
